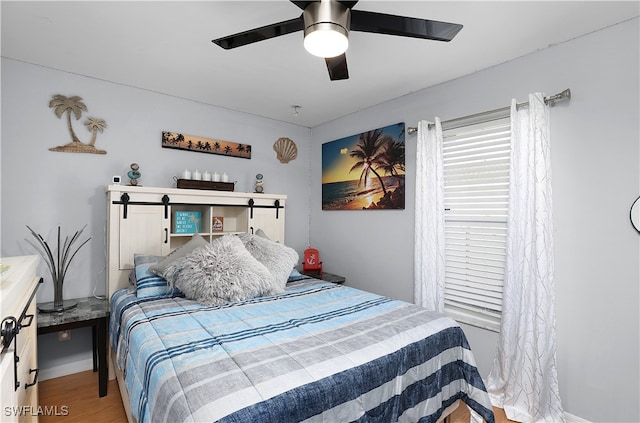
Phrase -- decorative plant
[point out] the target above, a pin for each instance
(58, 265)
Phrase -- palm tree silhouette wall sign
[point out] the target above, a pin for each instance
(73, 105)
(199, 144)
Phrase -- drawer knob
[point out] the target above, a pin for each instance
(10, 329)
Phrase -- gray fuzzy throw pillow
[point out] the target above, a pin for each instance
(196, 241)
(276, 257)
(219, 272)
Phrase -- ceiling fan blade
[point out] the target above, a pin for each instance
(381, 23)
(337, 67)
(260, 34)
(303, 4)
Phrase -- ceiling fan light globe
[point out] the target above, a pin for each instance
(326, 40)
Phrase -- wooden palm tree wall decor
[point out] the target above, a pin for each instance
(73, 105)
(180, 141)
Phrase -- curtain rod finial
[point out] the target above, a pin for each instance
(566, 94)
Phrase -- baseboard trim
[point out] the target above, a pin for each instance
(66, 369)
(570, 418)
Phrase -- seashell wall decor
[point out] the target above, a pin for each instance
(286, 150)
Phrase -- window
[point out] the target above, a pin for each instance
(476, 198)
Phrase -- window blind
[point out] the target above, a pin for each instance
(476, 198)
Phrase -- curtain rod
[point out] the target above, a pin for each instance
(551, 101)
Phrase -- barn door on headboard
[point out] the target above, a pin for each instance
(144, 231)
(265, 219)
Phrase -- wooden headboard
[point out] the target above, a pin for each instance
(155, 221)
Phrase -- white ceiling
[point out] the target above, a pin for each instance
(165, 46)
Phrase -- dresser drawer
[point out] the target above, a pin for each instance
(19, 359)
(28, 389)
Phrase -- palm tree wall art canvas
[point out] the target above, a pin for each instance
(365, 171)
(205, 145)
(74, 106)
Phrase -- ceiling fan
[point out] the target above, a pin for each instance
(326, 26)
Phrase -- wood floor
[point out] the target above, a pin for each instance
(462, 415)
(79, 393)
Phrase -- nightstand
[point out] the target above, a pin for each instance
(90, 311)
(326, 276)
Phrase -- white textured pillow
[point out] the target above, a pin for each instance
(196, 241)
(219, 272)
(276, 257)
(261, 233)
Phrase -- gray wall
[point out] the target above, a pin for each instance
(596, 165)
(596, 177)
(44, 189)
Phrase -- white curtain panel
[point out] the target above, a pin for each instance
(429, 230)
(523, 379)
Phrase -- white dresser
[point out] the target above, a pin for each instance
(18, 368)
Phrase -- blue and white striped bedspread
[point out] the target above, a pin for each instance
(319, 352)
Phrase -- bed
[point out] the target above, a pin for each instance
(317, 352)
(225, 329)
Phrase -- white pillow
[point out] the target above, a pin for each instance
(276, 257)
(196, 241)
(219, 272)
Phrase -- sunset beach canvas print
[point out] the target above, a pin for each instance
(365, 171)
